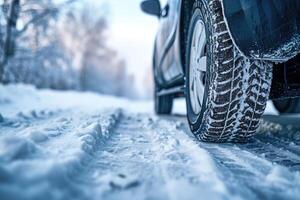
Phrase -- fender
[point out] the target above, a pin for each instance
(264, 29)
(172, 49)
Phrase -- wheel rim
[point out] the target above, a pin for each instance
(198, 63)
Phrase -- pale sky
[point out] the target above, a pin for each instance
(132, 35)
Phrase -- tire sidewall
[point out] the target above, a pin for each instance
(196, 120)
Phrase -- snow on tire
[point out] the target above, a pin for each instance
(236, 88)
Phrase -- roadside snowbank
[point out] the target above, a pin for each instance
(26, 98)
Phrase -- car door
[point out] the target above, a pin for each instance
(165, 40)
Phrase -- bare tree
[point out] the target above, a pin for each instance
(31, 13)
(10, 33)
(52, 47)
(101, 69)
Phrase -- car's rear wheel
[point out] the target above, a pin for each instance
(226, 92)
(163, 103)
(286, 106)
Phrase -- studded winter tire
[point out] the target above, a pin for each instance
(226, 93)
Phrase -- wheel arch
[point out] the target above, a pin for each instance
(265, 30)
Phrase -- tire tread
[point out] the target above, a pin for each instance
(239, 87)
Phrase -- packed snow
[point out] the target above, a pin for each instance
(73, 145)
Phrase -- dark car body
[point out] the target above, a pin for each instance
(265, 29)
(261, 29)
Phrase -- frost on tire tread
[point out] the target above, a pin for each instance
(239, 87)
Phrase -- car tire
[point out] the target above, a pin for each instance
(163, 103)
(286, 106)
(236, 88)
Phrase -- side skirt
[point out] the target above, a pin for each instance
(177, 91)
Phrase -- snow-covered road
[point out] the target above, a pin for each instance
(68, 145)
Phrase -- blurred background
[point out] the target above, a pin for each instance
(103, 46)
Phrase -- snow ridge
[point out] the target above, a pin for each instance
(91, 137)
(38, 163)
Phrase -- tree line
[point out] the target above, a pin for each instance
(60, 46)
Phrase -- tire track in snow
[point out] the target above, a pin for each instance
(146, 158)
(147, 153)
(42, 170)
(118, 155)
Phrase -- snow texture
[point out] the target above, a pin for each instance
(71, 145)
(285, 52)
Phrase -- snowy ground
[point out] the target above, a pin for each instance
(68, 145)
